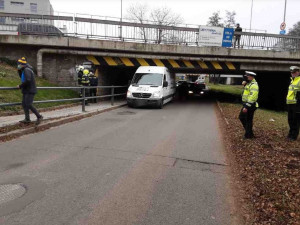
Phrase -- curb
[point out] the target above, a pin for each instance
(55, 123)
(221, 110)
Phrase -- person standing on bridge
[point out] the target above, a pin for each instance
(237, 36)
(293, 103)
(28, 88)
(250, 96)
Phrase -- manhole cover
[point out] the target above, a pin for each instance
(9, 192)
(126, 113)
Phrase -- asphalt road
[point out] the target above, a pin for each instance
(127, 166)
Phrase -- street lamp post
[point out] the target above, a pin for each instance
(250, 24)
(251, 16)
(284, 11)
(121, 20)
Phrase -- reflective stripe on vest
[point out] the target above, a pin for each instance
(293, 89)
(85, 79)
(250, 93)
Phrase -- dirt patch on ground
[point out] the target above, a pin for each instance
(265, 170)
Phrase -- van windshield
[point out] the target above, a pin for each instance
(154, 79)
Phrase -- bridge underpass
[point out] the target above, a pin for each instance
(120, 70)
(46, 54)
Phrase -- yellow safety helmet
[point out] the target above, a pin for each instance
(86, 72)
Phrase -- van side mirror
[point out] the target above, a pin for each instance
(166, 84)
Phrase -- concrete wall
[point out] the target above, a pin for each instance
(148, 49)
(60, 69)
(16, 52)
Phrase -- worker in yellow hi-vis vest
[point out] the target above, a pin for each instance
(293, 103)
(250, 96)
(85, 81)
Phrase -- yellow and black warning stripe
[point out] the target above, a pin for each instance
(169, 63)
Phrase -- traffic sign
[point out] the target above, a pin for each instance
(282, 32)
(282, 26)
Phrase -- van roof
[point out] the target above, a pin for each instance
(151, 69)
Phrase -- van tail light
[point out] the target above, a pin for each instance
(18, 33)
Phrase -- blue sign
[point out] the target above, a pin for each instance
(283, 32)
(227, 37)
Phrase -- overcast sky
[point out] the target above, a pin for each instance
(267, 14)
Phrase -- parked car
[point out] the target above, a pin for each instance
(187, 87)
(38, 29)
(199, 87)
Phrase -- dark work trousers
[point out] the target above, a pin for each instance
(237, 40)
(93, 93)
(294, 121)
(27, 105)
(247, 121)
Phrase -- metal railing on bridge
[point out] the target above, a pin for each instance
(83, 99)
(97, 27)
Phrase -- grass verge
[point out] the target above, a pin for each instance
(236, 90)
(10, 78)
(267, 168)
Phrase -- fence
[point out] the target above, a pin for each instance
(97, 27)
(83, 91)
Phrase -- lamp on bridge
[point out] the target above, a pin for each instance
(121, 20)
(284, 11)
(251, 15)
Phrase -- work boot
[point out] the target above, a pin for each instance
(291, 139)
(25, 121)
(39, 120)
(249, 136)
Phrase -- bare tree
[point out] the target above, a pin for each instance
(164, 17)
(214, 20)
(160, 16)
(139, 13)
(230, 19)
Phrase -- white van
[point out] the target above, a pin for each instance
(151, 85)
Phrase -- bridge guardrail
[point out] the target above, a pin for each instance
(147, 32)
(83, 91)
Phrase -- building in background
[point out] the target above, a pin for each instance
(9, 25)
(26, 6)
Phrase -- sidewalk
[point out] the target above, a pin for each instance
(76, 110)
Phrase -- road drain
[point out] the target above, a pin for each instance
(126, 113)
(10, 192)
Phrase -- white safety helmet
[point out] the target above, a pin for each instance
(249, 73)
(81, 68)
(294, 68)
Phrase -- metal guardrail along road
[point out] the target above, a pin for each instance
(96, 27)
(83, 99)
